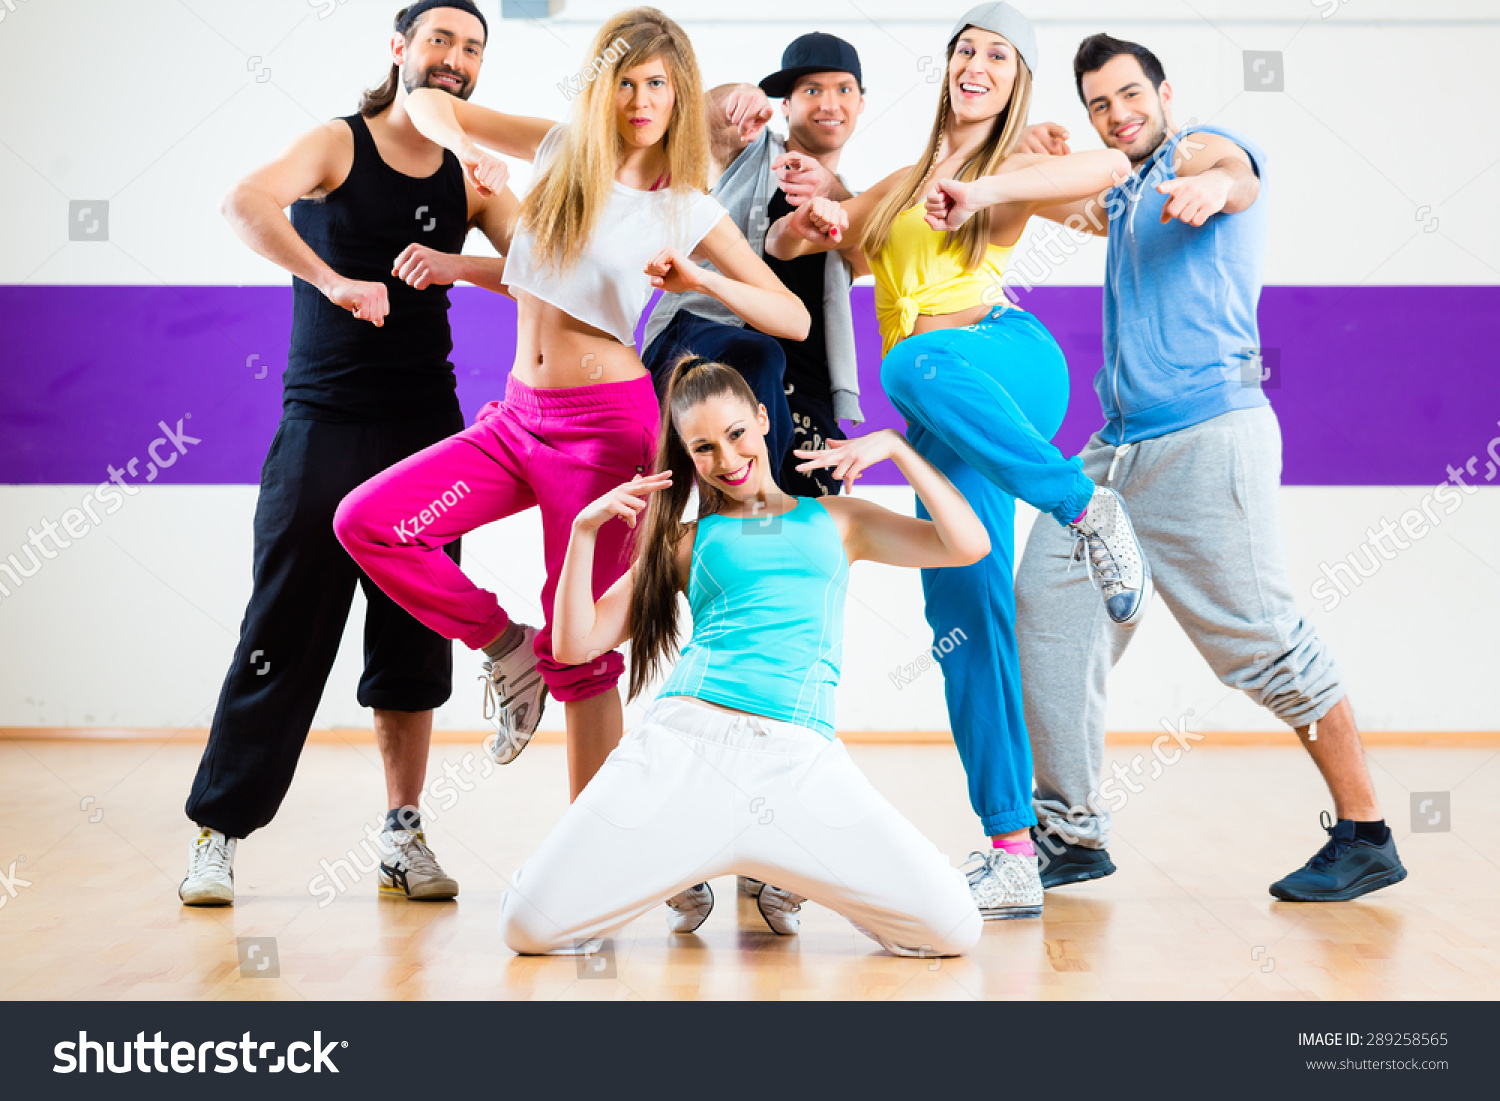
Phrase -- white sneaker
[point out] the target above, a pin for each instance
(1004, 884)
(690, 908)
(407, 867)
(1114, 556)
(514, 695)
(780, 909)
(210, 878)
(749, 887)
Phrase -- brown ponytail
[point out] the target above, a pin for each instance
(653, 601)
(375, 100)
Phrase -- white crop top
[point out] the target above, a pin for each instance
(607, 287)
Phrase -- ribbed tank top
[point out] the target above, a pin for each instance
(339, 367)
(767, 596)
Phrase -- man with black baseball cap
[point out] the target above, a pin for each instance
(806, 386)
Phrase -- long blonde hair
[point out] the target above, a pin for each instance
(565, 203)
(973, 237)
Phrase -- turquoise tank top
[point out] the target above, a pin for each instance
(767, 595)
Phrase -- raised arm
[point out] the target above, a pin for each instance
(811, 227)
(1026, 184)
(1214, 175)
(581, 628)
(1089, 215)
(737, 113)
(742, 282)
(953, 537)
(315, 164)
(463, 127)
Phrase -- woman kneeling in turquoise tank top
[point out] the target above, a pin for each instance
(735, 768)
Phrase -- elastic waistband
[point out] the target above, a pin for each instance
(637, 393)
(709, 724)
(1005, 312)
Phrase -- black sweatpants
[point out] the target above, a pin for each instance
(303, 588)
(753, 354)
(813, 425)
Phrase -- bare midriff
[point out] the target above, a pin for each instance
(714, 706)
(556, 351)
(930, 322)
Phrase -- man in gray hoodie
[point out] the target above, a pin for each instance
(806, 386)
(1193, 447)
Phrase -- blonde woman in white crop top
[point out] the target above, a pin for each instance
(618, 208)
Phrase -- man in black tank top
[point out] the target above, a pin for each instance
(378, 213)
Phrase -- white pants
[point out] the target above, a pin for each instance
(693, 793)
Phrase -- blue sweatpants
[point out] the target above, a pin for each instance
(982, 404)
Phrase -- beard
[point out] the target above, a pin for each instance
(1148, 141)
(413, 80)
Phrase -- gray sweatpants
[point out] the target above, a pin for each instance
(1204, 504)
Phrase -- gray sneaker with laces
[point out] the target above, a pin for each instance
(1115, 561)
(1004, 884)
(514, 695)
(407, 867)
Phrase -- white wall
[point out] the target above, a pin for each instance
(135, 624)
(156, 106)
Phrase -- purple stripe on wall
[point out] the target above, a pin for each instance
(1376, 386)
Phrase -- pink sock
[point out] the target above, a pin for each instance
(1021, 846)
(1081, 515)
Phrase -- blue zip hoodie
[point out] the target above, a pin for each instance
(1181, 343)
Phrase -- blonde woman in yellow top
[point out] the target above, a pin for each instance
(983, 387)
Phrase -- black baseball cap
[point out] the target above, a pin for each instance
(812, 53)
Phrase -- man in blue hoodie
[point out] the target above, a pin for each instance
(1192, 445)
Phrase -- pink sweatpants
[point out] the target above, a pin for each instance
(559, 449)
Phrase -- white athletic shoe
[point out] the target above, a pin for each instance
(407, 867)
(210, 878)
(1004, 884)
(690, 908)
(514, 695)
(1114, 556)
(780, 909)
(749, 887)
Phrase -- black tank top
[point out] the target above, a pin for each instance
(344, 369)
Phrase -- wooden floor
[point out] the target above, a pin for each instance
(97, 831)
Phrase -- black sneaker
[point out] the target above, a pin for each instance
(1344, 868)
(1061, 863)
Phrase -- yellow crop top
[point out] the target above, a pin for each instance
(915, 274)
